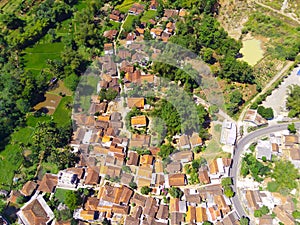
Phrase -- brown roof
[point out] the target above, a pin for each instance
(192, 198)
(131, 220)
(123, 54)
(120, 209)
(91, 203)
(137, 212)
(126, 178)
(28, 188)
(146, 160)
(138, 199)
(48, 183)
(150, 207)
(250, 196)
(170, 13)
(283, 216)
(183, 155)
(203, 176)
(35, 213)
(295, 154)
(163, 212)
(196, 140)
(290, 140)
(182, 12)
(139, 120)
(136, 102)
(177, 218)
(113, 171)
(108, 46)
(213, 167)
(176, 179)
(133, 158)
(266, 220)
(275, 147)
(174, 167)
(76, 170)
(140, 140)
(184, 141)
(110, 34)
(201, 215)
(92, 177)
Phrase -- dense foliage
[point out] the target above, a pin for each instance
(175, 192)
(293, 101)
(266, 113)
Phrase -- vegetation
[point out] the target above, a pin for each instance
(244, 221)
(73, 199)
(264, 210)
(165, 151)
(292, 129)
(175, 192)
(145, 190)
(293, 101)
(266, 113)
(226, 183)
(250, 165)
(285, 177)
(107, 94)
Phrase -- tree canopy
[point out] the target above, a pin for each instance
(293, 101)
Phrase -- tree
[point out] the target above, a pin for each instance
(63, 215)
(21, 199)
(264, 210)
(266, 113)
(244, 221)
(2, 206)
(257, 213)
(228, 192)
(227, 181)
(73, 200)
(175, 192)
(296, 214)
(165, 151)
(292, 129)
(145, 190)
(207, 223)
(293, 101)
(133, 185)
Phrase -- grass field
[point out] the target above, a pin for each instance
(62, 114)
(126, 5)
(87, 88)
(128, 23)
(150, 14)
(10, 6)
(36, 57)
(60, 194)
(11, 157)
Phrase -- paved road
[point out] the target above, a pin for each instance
(234, 171)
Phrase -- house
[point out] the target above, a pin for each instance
(264, 150)
(35, 212)
(176, 179)
(156, 32)
(229, 133)
(266, 220)
(201, 215)
(138, 199)
(213, 167)
(92, 177)
(192, 196)
(182, 13)
(253, 199)
(177, 218)
(116, 16)
(136, 9)
(130, 38)
(153, 4)
(174, 205)
(133, 158)
(110, 34)
(67, 179)
(183, 156)
(151, 207)
(91, 203)
(184, 142)
(195, 140)
(124, 54)
(139, 140)
(191, 215)
(220, 202)
(131, 220)
(146, 160)
(203, 175)
(114, 195)
(48, 183)
(136, 102)
(170, 13)
(138, 121)
(290, 140)
(28, 188)
(163, 212)
(108, 49)
(253, 118)
(231, 219)
(174, 167)
(87, 215)
(295, 154)
(283, 216)
(126, 179)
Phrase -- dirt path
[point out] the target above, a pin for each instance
(278, 11)
(265, 89)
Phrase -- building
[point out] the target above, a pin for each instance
(35, 212)
(264, 150)
(253, 118)
(48, 183)
(28, 188)
(229, 133)
(184, 142)
(136, 102)
(176, 179)
(139, 121)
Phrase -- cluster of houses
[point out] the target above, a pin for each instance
(281, 144)
(284, 145)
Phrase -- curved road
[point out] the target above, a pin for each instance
(234, 173)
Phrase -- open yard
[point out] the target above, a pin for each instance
(126, 5)
(62, 114)
(60, 194)
(150, 14)
(128, 23)
(35, 58)
(49, 105)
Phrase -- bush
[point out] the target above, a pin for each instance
(175, 192)
(266, 113)
(146, 190)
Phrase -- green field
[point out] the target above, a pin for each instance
(150, 14)
(126, 5)
(36, 57)
(62, 114)
(60, 194)
(128, 23)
